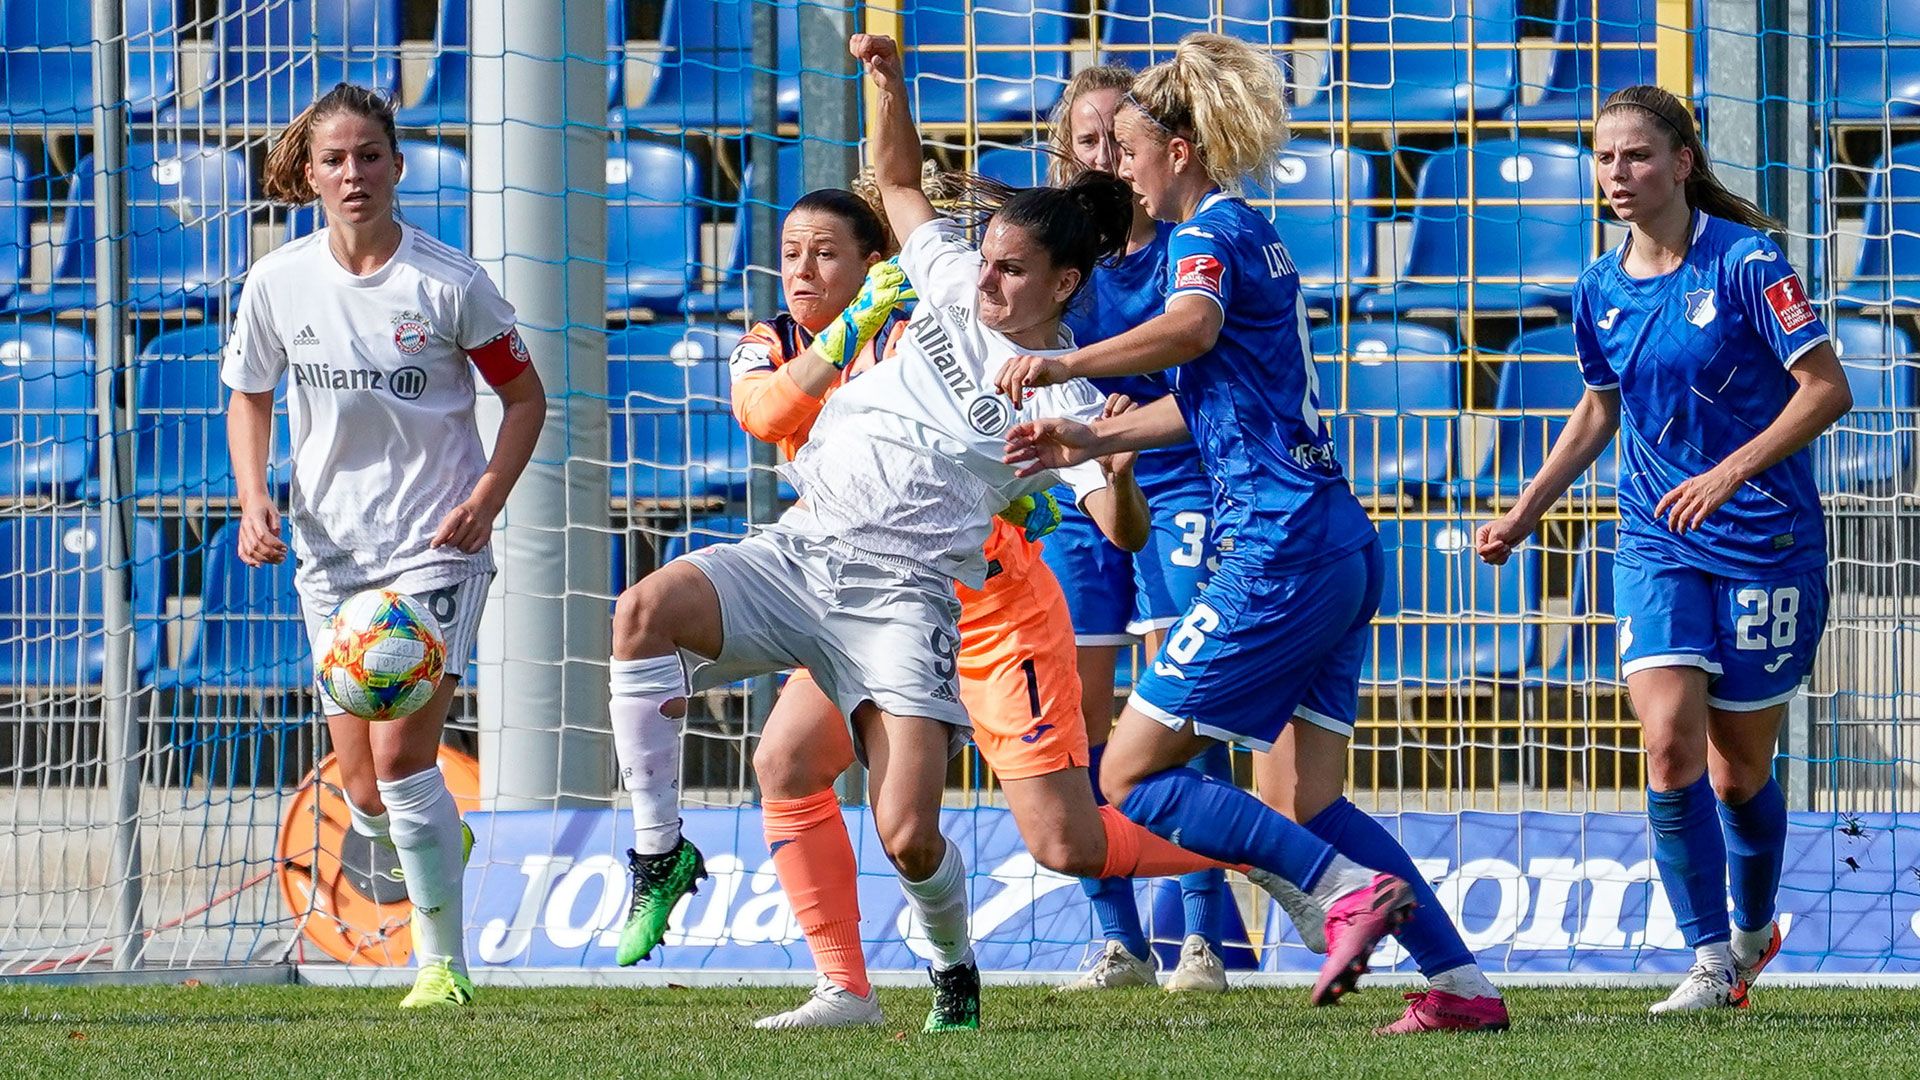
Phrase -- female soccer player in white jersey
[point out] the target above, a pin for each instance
(380, 328)
(1278, 633)
(898, 483)
(1114, 595)
(1700, 348)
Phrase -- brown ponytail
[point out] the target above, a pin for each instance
(284, 178)
(1705, 192)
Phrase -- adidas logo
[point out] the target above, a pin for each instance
(306, 336)
(944, 693)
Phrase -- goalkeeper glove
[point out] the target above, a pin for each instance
(886, 288)
(1036, 515)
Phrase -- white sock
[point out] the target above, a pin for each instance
(1342, 876)
(1466, 981)
(1748, 945)
(425, 826)
(1716, 956)
(371, 826)
(646, 742)
(940, 907)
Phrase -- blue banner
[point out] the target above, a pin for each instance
(1531, 892)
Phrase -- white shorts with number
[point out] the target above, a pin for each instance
(456, 608)
(867, 628)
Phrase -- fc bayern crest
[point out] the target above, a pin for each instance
(409, 332)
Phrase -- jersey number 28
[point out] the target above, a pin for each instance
(1756, 604)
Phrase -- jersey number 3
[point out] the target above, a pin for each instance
(1756, 605)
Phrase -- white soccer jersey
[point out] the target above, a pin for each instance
(380, 404)
(905, 458)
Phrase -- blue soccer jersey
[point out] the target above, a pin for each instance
(1700, 357)
(1252, 401)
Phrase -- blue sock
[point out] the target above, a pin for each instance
(1429, 937)
(1692, 856)
(1112, 898)
(1203, 894)
(1227, 824)
(1756, 837)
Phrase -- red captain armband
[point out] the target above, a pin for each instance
(501, 360)
(1199, 272)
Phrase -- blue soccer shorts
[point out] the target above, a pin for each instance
(1170, 571)
(1096, 576)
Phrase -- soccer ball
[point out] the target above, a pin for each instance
(384, 658)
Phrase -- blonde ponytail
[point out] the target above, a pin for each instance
(1226, 97)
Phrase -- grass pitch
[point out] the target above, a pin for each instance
(270, 1033)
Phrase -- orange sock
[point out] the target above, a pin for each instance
(813, 858)
(1134, 852)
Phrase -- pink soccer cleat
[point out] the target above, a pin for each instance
(1745, 973)
(1356, 923)
(1437, 1010)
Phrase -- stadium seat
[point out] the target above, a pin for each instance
(653, 226)
(251, 635)
(1576, 85)
(1874, 65)
(1424, 563)
(1313, 176)
(1377, 82)
(1888, 270)
(1393, 419)
(1478, 222)
(272, 58)
(1533, 398)
(180, 427)
(1869, 451)
(673, 434)
(434, 193)
(1499, 643)
(1591, 651)
(1018, 85)
(1141, 32)
(52, 587)
(46, 410)
(16, 220)
(447, 97)
(1021, 166)
(732, 294)
(187, 227)
(48, 61)
(706, 68)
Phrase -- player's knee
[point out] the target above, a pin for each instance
(1740, 785)
(915, 851)
(784, 774)
(642, 622)
(1064, 855)
(1672, 767)
(1116, 784)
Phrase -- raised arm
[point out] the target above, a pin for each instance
(894, 142)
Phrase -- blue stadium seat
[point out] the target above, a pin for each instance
(447, 98)
(1888, 270)
(673, 434)
(1313, 176)
(1591, 651)
(1498, 642)
(1385, 443)
(1544, 390)
(1870, 450)
(16, 218)
(1021, 166)
(1141, 32)
(47, 76)
(706, 68)
(434, 193)
(187, 223)
(1375, 82)
(251, 636)
(1874, 65)
(704, 532)
(272, 58)
(46, 410)
(732, 294)
(1539, 249)
(1008, 85)
(1576, 85)
(654, 212)
(52, 587)
(180, 427)
(1424, 562)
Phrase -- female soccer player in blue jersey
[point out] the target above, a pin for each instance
(1280, 629)
(1700, 347)
(1116, 595)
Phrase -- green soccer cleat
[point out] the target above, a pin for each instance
(438, 986)
(659, 881)
(956, 999)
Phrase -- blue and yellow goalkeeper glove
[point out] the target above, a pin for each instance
(886, 288)
(1036, 515)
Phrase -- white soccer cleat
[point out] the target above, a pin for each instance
(829, 1006)
(1199, 971)
(1309, 919)
(1704, 989)
(1116, 968)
